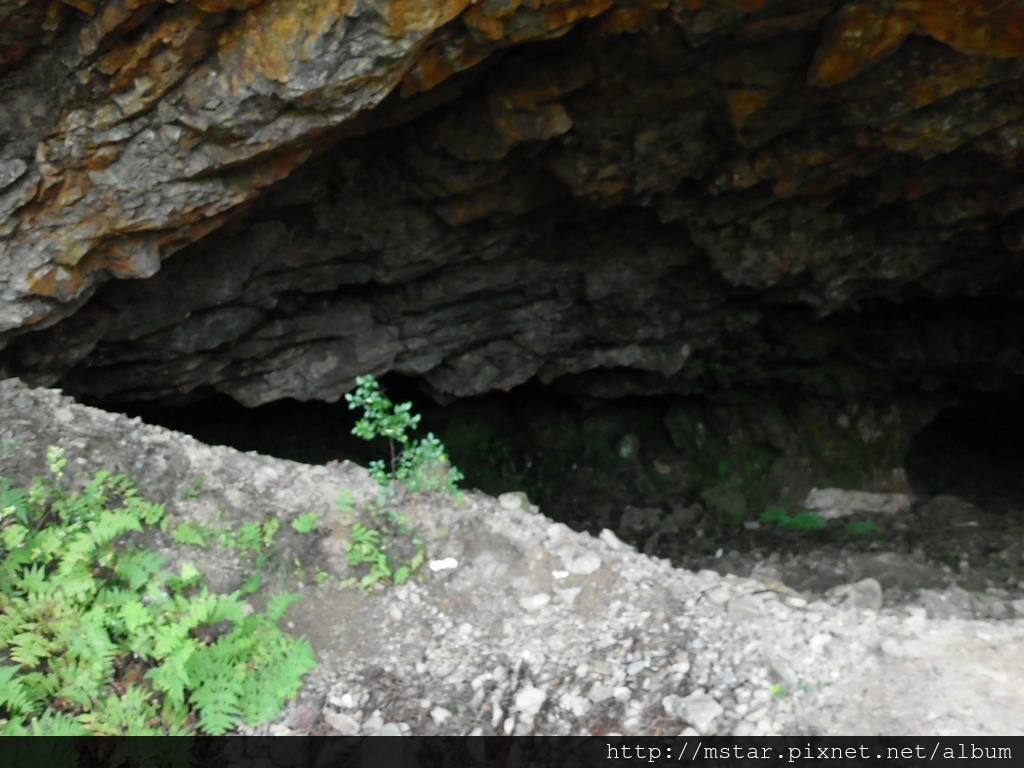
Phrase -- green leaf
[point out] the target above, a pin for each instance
(218, 705)
(191, 534)
(306, 523)
(278, 605)
(30, 648)
(252, 584)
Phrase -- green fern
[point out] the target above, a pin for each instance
(100, 639)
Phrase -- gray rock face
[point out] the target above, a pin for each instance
(653, 201)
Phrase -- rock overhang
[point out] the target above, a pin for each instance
(650, 197)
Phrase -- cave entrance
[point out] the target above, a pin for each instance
(681, 478)
(691, 480)
(583, 464)
(975, 452)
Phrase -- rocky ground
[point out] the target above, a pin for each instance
(520, 625)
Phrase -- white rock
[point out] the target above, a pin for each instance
(613, 541)
(698, 709)
(575, 703)
(831, 503)
(585, 564)
(514, 500)
(342, 723)
(600, 692)
(529, 701)
(534, 602)
(636, 666)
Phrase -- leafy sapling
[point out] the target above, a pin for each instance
(414, 465)
(417, 465)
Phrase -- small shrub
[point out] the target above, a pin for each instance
(416, 465)
(98, 638)
(413, 466)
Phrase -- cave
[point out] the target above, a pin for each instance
(973, 453)
(663, 267)
(718, 302)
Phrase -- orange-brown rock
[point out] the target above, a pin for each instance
(683, 194)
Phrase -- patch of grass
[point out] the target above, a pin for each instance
(802, 521)
(98, 637)
(861, 528)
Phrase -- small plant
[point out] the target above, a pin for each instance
(861, 528)
(306, 523)
(779, 691)
(193, 534)
(252, 537)
(8, 447)
(98, 638)
(346, 502)
(414, 465)
(197, 487)
(369, 547)
(417, 465)
(803, 521)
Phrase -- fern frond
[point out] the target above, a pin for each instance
(138, 567)
(174, 675)
(79, 682)
(90, 642)
(13, 537)
(134, 615)
(32, 580)
(279, 604)
(269, 687)
(228, 608)
(218, 705)
(57, 724)
(29, 648)
(14, 497)
(125, 715)
(40, 687)
(78, 588)
(170, 637)
(112, 525)
(13, 693)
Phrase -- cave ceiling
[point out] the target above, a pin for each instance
(268, 199)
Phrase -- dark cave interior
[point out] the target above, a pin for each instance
(585, 462)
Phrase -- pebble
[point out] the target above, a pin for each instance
(534, 602)
(529, 701)
(585, 564)
(340, 722)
